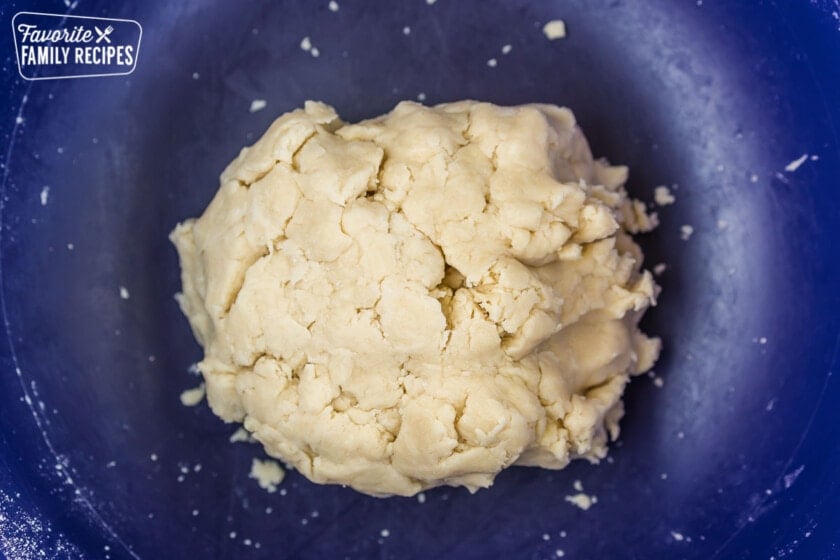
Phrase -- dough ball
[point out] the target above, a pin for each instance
(420, 299)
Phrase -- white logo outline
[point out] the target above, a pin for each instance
(104, 35)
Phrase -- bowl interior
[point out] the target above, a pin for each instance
(731, 457)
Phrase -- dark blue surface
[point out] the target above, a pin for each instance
(738, 453)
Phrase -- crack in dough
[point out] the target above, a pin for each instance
(420, 299)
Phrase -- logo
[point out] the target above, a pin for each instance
(53, 46)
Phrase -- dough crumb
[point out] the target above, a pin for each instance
(554, 29)
(406, 30)
(658, 382)
(257, 105)
(268, 474)
(677, 536)
(421, 498)
(559, 553)
(492, 63)
(662, 196)
(753, 178)
(722, 224)
(333, 6)
(240, 435)
(306, 44)
(45, 196)
(385, 533)
(124, 293)
(659, 269)
(686, 232)
(581, 500)
(506, 49)
(796, 164)
(192, 397)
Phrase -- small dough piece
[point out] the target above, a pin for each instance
(268, 474)
(555, 29)
(192, 397)
(420, 299)
(663, 196)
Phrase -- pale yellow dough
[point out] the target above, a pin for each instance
(420, 299)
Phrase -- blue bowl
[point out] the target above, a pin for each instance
(736, 456)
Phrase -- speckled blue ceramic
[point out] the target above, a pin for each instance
(737, 455)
